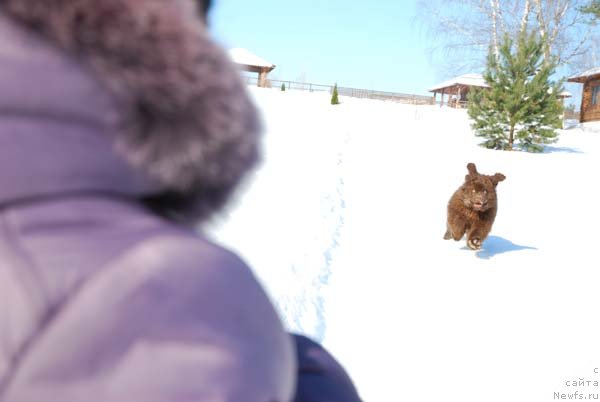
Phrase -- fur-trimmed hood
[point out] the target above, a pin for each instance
(173, 105)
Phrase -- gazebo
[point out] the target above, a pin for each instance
(248, 61)
(457, 89)
(590, 99)
(562, 96)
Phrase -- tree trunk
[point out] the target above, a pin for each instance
(511, 137)
(551, 27)
(558, 18)
(495, 11)
(525, 18)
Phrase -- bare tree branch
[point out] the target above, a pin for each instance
(465, 30)
(495, 8)
(525, 18)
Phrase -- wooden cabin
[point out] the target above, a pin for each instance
(248, 61)
(590, 99)
(457, 89)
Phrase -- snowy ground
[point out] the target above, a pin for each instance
(343, 224)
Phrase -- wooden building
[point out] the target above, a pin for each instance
(248, 61)
(590, 99)
(457, 89)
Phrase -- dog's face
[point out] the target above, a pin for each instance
(479, 191)
(478, 194)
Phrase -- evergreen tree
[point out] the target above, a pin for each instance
(593, 8)
(521, 108)
(334, 96)
(282, 86)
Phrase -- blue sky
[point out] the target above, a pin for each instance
(373, 45)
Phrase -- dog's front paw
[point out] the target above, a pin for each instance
(474, 243)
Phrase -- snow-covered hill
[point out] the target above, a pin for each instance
(343, 223)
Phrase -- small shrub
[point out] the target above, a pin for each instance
(334, 96)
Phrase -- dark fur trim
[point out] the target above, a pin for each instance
(187, 121)
(205, 6)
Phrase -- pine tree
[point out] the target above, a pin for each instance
(334, 96)
(521, 108)
(282, 86)
(592, 8)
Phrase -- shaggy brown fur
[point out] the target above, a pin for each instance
(472, 208)
(186, 121)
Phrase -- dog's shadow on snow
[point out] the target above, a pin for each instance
(551, 149)
(495, 245)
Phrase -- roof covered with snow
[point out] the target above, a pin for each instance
(247, 58)
(565, 94)
(585, 75)
(471, 80)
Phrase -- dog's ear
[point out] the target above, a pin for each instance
(472, 169)
(498, 177)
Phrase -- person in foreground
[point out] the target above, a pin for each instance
(122, 127)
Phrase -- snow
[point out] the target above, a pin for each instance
(587, 73)
(245, 57)
(343, 224)
(476, 80)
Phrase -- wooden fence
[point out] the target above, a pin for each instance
(572, 114)
(343, 91)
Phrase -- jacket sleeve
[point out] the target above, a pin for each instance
(169, 322)
(320, 377)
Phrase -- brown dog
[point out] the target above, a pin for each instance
(472, 208)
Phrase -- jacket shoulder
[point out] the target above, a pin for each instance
(175, 315)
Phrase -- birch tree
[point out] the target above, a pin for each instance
(495, 16)
(466, 29)
(525, 17)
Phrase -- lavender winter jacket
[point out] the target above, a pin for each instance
(102, 300)
(114, 115)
